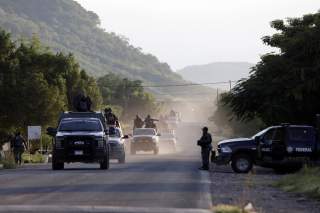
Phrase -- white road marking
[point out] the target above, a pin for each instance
(94, 209)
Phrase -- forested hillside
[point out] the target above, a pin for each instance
(65, 26)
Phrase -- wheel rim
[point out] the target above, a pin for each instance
(242, 164)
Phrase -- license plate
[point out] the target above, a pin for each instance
(79, 143)
(80, 152)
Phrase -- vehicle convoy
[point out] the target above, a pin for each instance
(284, 148)
(168, 141)
(80, 137)
(117, 144)
(145, 139)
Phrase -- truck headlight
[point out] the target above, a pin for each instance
(226, 149)
(58, 143)
(100, 143)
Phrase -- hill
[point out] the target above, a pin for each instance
(216, 72)
(64, 25)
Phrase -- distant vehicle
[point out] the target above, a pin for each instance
(168, 141)
(173, 119)
(117, 144)
(80, 137)
(284, 148)
(145, 139)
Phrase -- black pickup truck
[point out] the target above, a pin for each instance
(80, 137)
(285, 148)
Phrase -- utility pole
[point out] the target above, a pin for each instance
(230, 84)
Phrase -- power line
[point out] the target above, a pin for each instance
(188, 84)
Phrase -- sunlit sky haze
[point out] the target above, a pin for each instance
(188, 32)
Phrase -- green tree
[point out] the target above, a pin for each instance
(127, 94)
(284, 86)
(36, 85)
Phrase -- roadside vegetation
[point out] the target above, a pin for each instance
(228, 209)
(306, 181)
(283, 87)
(8, 162)
(37, 84)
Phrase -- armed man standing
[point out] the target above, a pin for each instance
(206, 146)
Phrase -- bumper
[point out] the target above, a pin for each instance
(221, 158)
(143, 146)
(116, 150)
(85, 156)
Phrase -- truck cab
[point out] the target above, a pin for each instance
(283, 148)
(80, 137)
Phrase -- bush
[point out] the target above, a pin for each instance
(33, 158)
(307, 182)
(8, 161)
(228, 209)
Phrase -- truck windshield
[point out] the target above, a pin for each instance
(113, 132)
(260, 133)
(144, 132)
(80, 125)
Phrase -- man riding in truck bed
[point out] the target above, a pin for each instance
(111, 119)
(138, 122)
(149, 122)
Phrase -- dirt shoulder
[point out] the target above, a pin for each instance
(239, 189)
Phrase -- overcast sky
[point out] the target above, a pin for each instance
(189, 32)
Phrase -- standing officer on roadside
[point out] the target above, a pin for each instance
(206, 146)
(18, 144)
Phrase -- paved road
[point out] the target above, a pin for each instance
(146, 183)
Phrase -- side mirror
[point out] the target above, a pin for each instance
(125, 137)
(106, 131)
(51, 131)
(158, 134)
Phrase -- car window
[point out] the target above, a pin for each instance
(80, 125)
(113, 132)
(144, 132)
(279, 135)
(268, 136)
(301, 134)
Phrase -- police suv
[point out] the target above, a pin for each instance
(284, 148)
(80, 137)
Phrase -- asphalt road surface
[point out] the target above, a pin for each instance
(146, 183)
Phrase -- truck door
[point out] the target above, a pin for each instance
(265, 147)
(278, 145)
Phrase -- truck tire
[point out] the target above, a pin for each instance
(241, 163)
(57, 165)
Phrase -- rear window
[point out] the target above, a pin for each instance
(144, 132)
(81, 125)
(301, 134)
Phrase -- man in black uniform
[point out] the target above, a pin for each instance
(149, 122)
(206, 146)
(138, 122)
(18, 144)
(111, 119)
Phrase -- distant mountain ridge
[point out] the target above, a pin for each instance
(64, 25)
(216, 72)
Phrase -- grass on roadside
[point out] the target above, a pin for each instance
(8, 161)
(228, 209)
(35, 158)
(306, 182)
